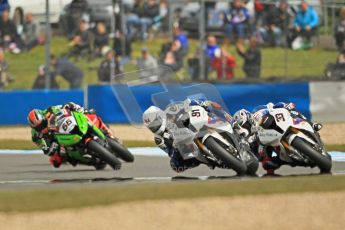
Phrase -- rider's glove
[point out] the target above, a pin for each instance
(90, 111)
(290, 106)
(243, 132)
(74, 107)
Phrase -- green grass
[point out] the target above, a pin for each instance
(299, 63)
(64, 198)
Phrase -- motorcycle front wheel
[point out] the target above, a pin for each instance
(229, 160)
(120, 150)
(322, 161)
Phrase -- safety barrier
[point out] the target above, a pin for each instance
(106, 101)
(321, 101)
(15, 105)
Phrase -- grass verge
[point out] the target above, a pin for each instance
(50, 199)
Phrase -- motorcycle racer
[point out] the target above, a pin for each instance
(156, 121)
(43, 137)
(245, 123)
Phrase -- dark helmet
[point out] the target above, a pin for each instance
(244, 119)
(37, 120)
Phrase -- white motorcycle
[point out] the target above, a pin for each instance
(208, 138)
(298, 143)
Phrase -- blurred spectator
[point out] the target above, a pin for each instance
(133, 16)
(211, 47)
(81, 42)
(259, 8)
(224, 63)
(163, 13)
(237, 20)
(146, 64)
(337, 70)
(8, 33)
(209, 51)
(5, 76)
(182, 38)
(104, 71)
(194, 65)
(215, 14)
(339, 30)
(341, 57)
(70, 72)
(30, 35)
(252, 58)
(72, 16)
(101, 39)
(122, 46)
(40, 82)
(171, 56)
(142, 16)
(305, 24)
(4, 6)
(275, 22)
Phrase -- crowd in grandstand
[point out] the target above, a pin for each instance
(268, 25)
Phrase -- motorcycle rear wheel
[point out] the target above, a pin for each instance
(323, 162)
(223, 155)
(101, 152)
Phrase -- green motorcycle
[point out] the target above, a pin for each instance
(81, 140)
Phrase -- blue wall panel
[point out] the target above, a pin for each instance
(235, 96)
(248, 96)
(15, 105)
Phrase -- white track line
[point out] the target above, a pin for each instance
(25, 182)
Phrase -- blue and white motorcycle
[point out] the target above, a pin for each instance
(211, 140)
(298, 143)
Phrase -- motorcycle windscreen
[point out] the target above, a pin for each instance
(82, 122)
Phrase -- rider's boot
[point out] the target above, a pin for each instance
(56, 160)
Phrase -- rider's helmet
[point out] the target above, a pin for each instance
(244, 119)
(155, 119)
(37, 120)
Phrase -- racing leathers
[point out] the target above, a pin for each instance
(45, 138)
(266, 154)
(164, 140)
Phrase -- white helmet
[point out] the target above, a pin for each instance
(155, 119)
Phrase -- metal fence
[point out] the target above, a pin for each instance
(280, 63)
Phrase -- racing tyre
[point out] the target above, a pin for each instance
(100, 166)
(104, 154)
(322, 161)
(252, 165)
(223, 155)
(120, 150)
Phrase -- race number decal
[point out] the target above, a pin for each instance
(67, 123)
(280, 117)
(195, 113)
